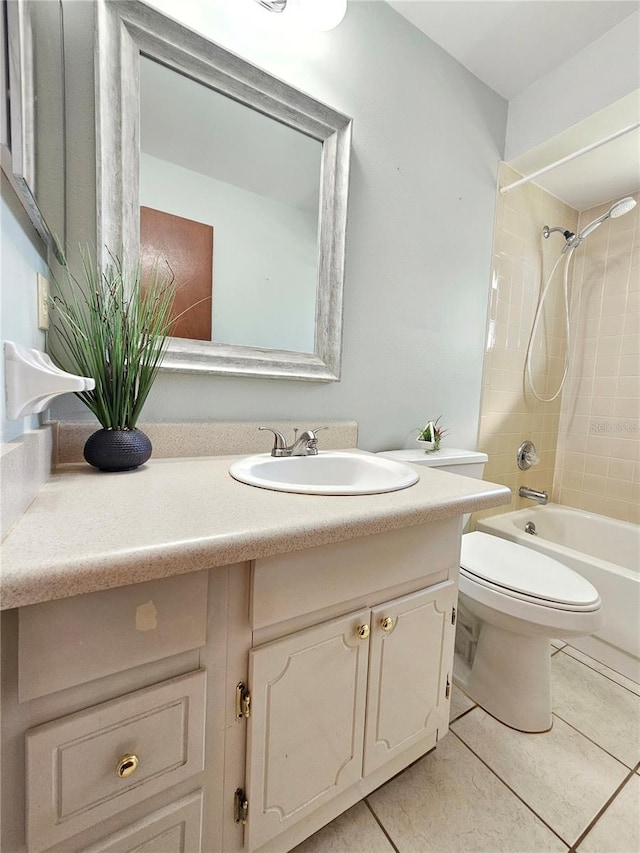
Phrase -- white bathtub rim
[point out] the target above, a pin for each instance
(619, 587)
(505, 524)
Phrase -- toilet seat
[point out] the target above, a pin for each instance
(520, 573)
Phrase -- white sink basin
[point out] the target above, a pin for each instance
(328, 473)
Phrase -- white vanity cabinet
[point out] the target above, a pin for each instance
(337, 701)
(346, 650)
(105, 701)
(339, 706)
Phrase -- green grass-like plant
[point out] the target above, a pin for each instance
(113, 327)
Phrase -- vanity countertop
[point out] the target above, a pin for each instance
(86, 530)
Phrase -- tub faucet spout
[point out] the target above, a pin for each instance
(533, 494)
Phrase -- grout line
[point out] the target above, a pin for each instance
(404, 769)
(509, 788)
(380, 824)
(604, 808)
(603, 674)
(591, 740)
(463, 714)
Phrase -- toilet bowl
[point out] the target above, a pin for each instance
(512, 602)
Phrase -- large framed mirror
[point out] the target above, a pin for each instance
(32, 148)
(236, 177)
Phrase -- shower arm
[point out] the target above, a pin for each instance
(547, 232)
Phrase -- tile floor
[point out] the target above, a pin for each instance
(489, 789)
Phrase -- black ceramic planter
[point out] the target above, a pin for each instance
(117, 449)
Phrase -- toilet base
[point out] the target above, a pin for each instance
(510, 678)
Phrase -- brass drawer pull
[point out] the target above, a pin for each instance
(387, 624)
(127, 765)
(363, 631)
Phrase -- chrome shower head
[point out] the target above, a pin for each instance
(618, 209)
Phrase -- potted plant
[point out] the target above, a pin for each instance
(430, 436)
(114, 327)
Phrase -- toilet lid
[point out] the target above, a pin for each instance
(515, 568)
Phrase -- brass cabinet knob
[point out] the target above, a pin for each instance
(127, 765)
(387, 624)
(363, 631)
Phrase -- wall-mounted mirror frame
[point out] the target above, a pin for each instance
(18, 143)
(125, 32)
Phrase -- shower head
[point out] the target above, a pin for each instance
(621, 207)
(618, 209)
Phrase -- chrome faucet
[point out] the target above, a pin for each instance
(533, 494)
(304, 445)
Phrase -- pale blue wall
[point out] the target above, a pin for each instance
(427, 137)
(21, 259)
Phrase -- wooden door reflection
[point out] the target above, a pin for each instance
(187, 247)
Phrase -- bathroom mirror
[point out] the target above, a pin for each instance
(32, 148)
(194, 141)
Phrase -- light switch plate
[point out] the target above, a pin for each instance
(43, 303)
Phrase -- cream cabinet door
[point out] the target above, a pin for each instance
(307, 716)
(409, 672)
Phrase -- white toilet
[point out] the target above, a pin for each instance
(512, 602)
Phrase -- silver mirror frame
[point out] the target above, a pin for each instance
(127, 30)
(18, 145)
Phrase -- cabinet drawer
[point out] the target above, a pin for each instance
(174, 829)
(74, 640)
(72, 763)
(302, 582)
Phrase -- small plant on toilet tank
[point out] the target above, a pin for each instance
(431, 435)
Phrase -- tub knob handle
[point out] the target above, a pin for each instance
(527, 455)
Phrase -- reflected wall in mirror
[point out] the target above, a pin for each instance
(33, 136)
(257, 183)
(220, 143)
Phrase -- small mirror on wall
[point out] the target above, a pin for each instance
(235, 179)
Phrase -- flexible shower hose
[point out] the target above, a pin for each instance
(536, 322)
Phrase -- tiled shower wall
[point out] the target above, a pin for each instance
(598, 452)
(588, 438)
(522, 259)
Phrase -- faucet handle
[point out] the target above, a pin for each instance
(312, 442)
(316, 430)
(279, 443)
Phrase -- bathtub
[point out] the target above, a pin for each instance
(603, 550)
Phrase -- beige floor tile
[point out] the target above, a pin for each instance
(460, 703)
(618, 830)
(449, 802)
(560, 774)
(599, 708)
(355, 831)
(557, 644)
(605, 670)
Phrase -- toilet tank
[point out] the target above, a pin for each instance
(468, 463)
